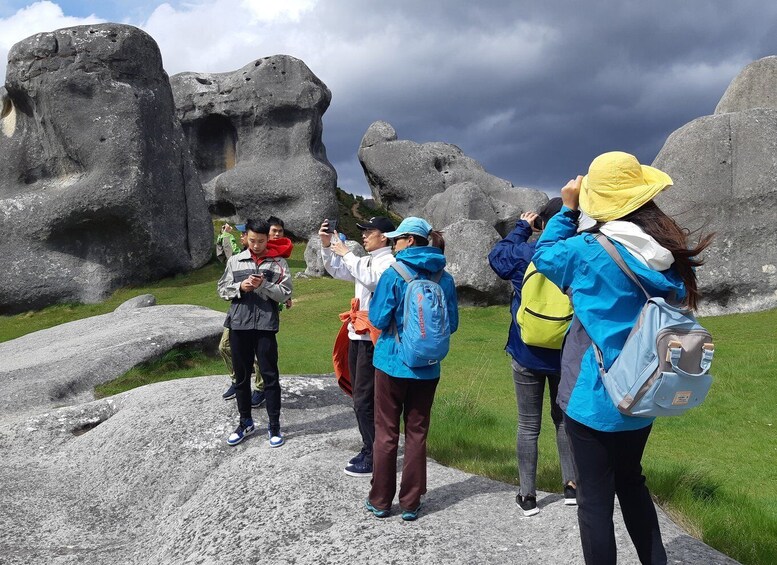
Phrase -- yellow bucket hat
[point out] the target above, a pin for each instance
(616, 185)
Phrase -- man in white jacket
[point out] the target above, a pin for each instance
(365, 272)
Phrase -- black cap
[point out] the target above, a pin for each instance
(380, 223)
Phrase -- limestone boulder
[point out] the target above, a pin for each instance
(146, 477)
(63, 364)
(753, 87)
(467, 201)
(409, 178)
(314, 264)
(467, 244)
(97, 187)
(255, 134)
(725, 181)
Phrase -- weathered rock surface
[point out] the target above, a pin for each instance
(61, 365)
(255, 134)
(314, 263)
(405, 176)
(725, 181)
(97, 187)
(753, 87)
(100, 483)
(467, 244)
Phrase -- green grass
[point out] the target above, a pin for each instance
(713, 469)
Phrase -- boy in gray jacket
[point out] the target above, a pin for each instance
(256, 281)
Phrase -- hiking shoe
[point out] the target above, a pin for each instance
(358, 458)
(570, 495)
(362, 468)
(528, 504)
(257, 398)
(411, 515)
(243, 430)
(275, 437)
(231, 392)
(377, 512)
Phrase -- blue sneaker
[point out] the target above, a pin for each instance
(243, 430)
(257, 398)
(231, 392)
(362, 468)
(411, 515)
(358, 458)
(377, 512)
(275, 436)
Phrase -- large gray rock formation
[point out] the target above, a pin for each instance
(146, 477)
(255, 134)
(97, 188)
(724, 169)
(467, 244)
(414, 179)
(753, 87)
(62, 365)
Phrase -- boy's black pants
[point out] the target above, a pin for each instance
(262, 345)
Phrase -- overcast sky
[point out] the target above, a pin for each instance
(531, 90)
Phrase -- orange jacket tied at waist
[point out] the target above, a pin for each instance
(361, 325)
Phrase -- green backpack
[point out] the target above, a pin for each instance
(545, 312)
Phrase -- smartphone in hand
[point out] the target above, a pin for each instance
(331, 226)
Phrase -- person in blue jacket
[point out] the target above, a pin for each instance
(607, 446)
(402, 391)
(532, 366)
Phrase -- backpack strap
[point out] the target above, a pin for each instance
(612, 251)
(403, 271)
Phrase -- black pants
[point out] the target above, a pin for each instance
(609, 464)
(363, 388)
(262, 345)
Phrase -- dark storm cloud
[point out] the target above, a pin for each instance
(535, 91)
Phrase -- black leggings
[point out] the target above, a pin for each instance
(247, 344)
(609, 463)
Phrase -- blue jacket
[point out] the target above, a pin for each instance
(387, 304)
(509, 259)
(607, 304)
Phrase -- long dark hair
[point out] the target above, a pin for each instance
(435, 238)
(671, 236)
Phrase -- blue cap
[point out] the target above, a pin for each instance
(241, 227)
(411, 226)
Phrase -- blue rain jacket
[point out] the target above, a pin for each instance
(388, 302)
(607, 304)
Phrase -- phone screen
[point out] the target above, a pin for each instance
(331, 226)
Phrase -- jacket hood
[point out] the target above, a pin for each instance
(640, 244)
(280, 247)
(426, 258)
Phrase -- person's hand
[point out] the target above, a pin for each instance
(530, 217)
(288, 303)
(251, 283)
(326, 237)
(339, 247)
(570, 194)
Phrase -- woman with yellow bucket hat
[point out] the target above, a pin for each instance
(607, 446)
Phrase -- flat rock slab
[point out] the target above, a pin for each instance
(146, 477)
(61, 365)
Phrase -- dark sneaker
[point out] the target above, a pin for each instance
(362, 468)
(358, 458)
(570, 495)
(257, 398)
(243, 430)
(231, 392)
(377, 512)
(528, 504)
(411, 515)
(275, 436)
